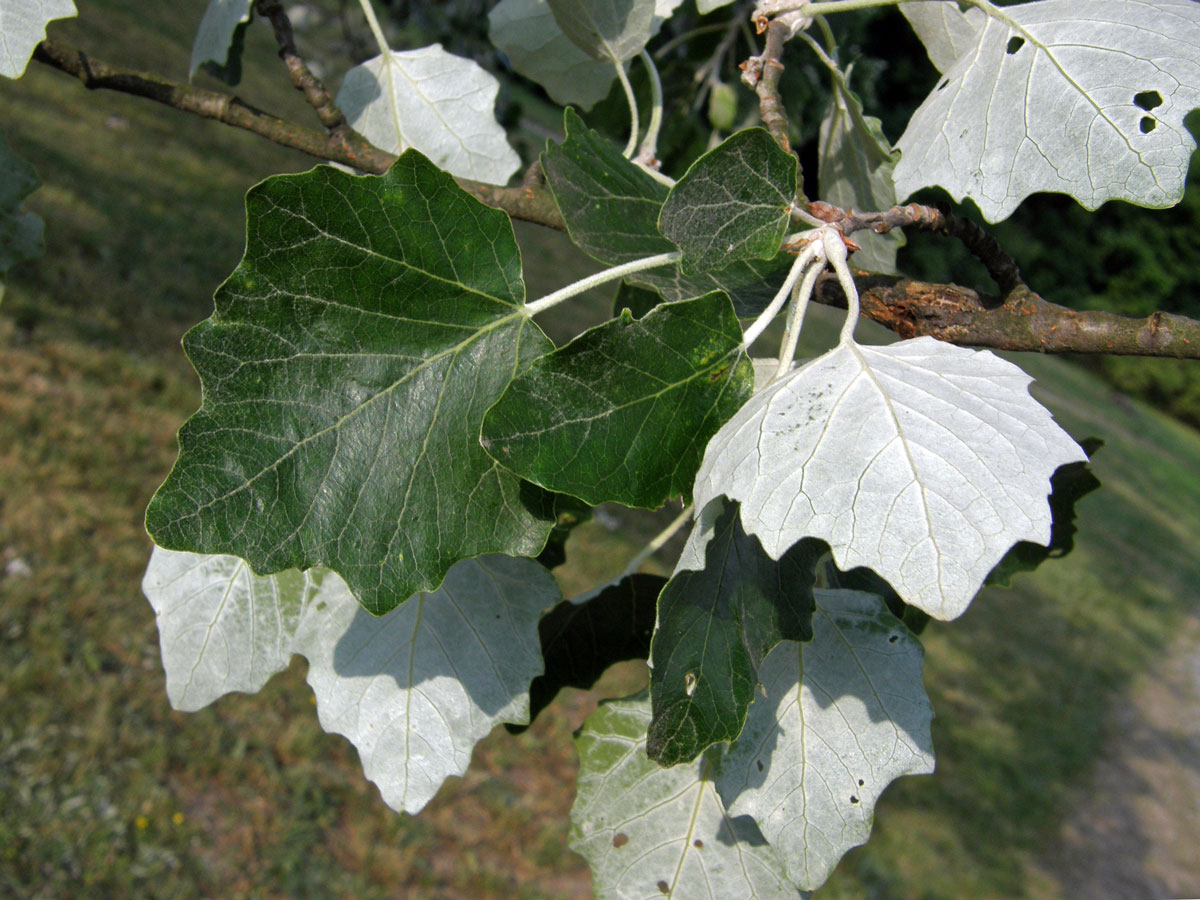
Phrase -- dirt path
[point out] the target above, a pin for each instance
(1136, 833)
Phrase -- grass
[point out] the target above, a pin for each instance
(104, 791)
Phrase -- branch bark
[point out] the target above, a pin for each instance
(302, 76)
(1020, 321)
(762, 74)
(343, 145)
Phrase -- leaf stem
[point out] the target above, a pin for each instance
(648, 152)
(376, 29)
(586, 284)
(385, 53)
(800, 297)
(836, 255)
(760, 324)
(623, 76)
(656, 543)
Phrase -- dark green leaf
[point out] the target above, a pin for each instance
(582, 637)
(611, 208)
(346, 372)
(1068, 485)
(715, 627)
(622, 413)
(605, 29)
(610, 205)
(734, 203)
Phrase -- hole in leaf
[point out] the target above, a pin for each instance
(893, 638)
(853, 799)
(1147, 100)
(942, 84)
(1148, 124)
(760, 765)
(620, 839)
(861, 782)
(1014, 44)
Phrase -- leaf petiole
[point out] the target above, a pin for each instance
(648, 152)
(800, 297)
(376, 28)
(811, 252)
(586, 284)
(623, 77)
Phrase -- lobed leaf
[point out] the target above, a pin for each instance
(434, 102)
(715, 626)
(920, 460)
(733, 203)
(1082, 97)
(414, 691)
(611, 207)
(220, 39)
(346, 373)
(622, 413)
(650, 832)
(842, 717)
(23, 26)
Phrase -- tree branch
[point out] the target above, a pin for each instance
(347, 146)
(762, 74)
(303, 79)
(1022, 321)
(983, 246)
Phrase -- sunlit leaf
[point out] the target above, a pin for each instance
(1082, 97)
(842, 716)
(947, 31)
(23, 26)
(413, 691)
(435, 102)
(920, 460)
(649, 832)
